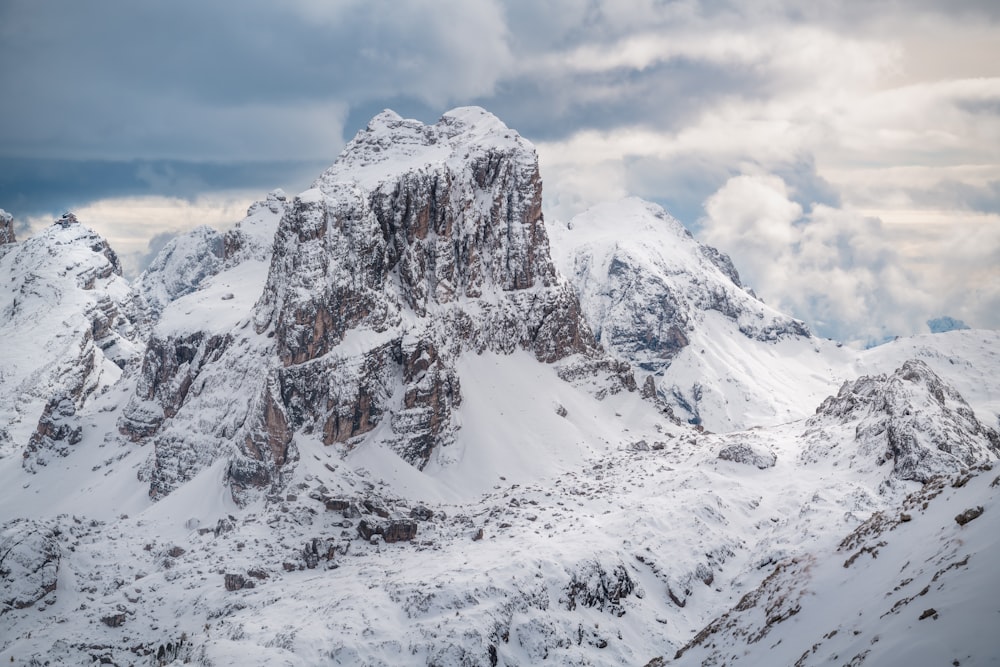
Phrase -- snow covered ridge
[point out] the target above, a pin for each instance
(676, 311)
(63, 323)
(378, 423)
(913, 419)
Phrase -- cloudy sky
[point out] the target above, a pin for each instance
(845, 153)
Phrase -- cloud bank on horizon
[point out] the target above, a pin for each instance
(846, 154)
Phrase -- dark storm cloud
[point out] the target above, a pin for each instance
(30, 187)
(114, 97)
(187, 80)
(117, 79)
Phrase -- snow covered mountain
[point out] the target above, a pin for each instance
(676, 311)
(65, 334)
(389, 421)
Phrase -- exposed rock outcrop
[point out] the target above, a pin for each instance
(591, 585)
(911, 419)
(757, 456)
(6, 228)
(57, 432)
(396, 530)
(29, 563)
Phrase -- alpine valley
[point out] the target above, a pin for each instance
(400, 418)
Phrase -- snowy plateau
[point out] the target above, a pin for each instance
(401, 419)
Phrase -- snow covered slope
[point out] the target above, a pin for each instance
(914, 586)
(676, 311)
(567, 530)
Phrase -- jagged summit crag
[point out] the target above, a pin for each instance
(911, 419)
(419, 244)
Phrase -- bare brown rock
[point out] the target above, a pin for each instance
(968, 515)
(397, 530)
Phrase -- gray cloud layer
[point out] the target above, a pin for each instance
(850, 111)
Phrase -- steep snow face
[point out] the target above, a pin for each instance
(675, 310)
(62, 323)
(912, 586)
(178, 269)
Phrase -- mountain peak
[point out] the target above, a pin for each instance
(659, 299)
(391, 145)
(420, 244)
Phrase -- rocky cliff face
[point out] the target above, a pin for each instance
(910, 419)
(57, 432)
(200, 370)
(421, 243)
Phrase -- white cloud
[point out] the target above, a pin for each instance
(850, 275)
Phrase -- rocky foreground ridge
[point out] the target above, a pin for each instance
(391, 421)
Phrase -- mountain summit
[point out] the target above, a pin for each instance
(419, 244)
